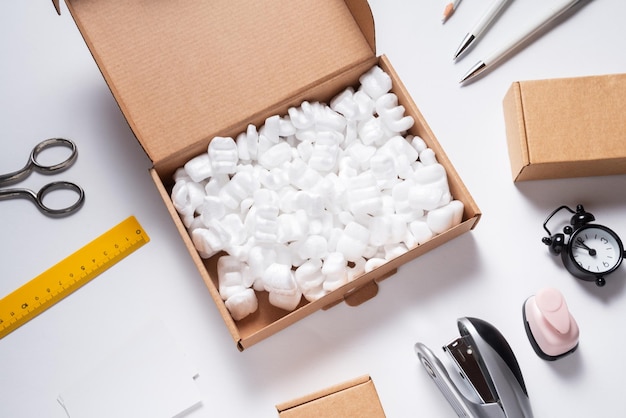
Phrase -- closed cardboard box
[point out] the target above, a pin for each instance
(569, 127)
(355, 398)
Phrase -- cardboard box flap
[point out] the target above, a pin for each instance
(184, 71)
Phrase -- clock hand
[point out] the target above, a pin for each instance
(581, 244)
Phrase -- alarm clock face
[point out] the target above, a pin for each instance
(595, 249)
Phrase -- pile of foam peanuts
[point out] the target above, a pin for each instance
(315, 198)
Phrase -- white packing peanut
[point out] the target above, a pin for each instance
(325, 151)
(441, 219)
(365, 104)
(420, 231)
(285, 127)
(292, 226)
(301, 175)
(313, 246)
(394, 250)
(242, 185)
(424, 197)
(353, 242)
(230, 278)
(180, 175)
(392, 114)
(310, 202)
(199, 168)
(372, 131)
(428, 157)
(329, 120)
(260, 257)
(235, 229)
(379, 227)
(383, 167)
(187, 196)
(309, 275)
(344, 103)
(275, 155)
(212, 208)
(417, 142)
(299, 117)
(274, 179)
(242, 304)
(266, 224)
(287, 199)
(223, 155)
(375, 82)
(335, 265)
(248, 144)
(208, 242)
(361, 153)
(430, 187)
(283, 290)
(279, 278)
(321, 225)
(286, 302)
(271, 130)
(335, 272)
(373, 263)
(364, 195)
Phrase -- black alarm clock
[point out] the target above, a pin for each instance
(589, 251)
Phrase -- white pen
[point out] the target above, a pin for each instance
(483, 23)
(545, 19)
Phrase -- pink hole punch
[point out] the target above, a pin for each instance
(551, 328)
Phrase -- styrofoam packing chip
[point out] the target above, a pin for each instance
(315, 198)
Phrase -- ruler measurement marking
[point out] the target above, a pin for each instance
(70, 274)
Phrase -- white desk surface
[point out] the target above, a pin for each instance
(50, 86)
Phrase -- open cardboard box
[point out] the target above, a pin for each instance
(355, 398)
(184, 72)
(566, 127)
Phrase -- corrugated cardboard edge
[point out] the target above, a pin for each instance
(359, 395)
(516, 131)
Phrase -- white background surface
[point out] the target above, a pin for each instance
(50, 86)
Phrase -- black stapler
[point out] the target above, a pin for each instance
(479, 374)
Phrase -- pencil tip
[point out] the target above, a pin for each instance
(447, 12)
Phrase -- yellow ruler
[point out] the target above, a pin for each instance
(70, 274)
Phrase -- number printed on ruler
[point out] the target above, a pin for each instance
(70, 274)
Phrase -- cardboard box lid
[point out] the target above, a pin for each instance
(355, 398)
(184, 71)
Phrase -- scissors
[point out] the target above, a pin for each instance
(34, 165)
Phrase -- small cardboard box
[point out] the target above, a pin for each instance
(184, 72)
(355, 398)
(569, 127)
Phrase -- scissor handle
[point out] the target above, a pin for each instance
(38, 198)
(33, 164)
